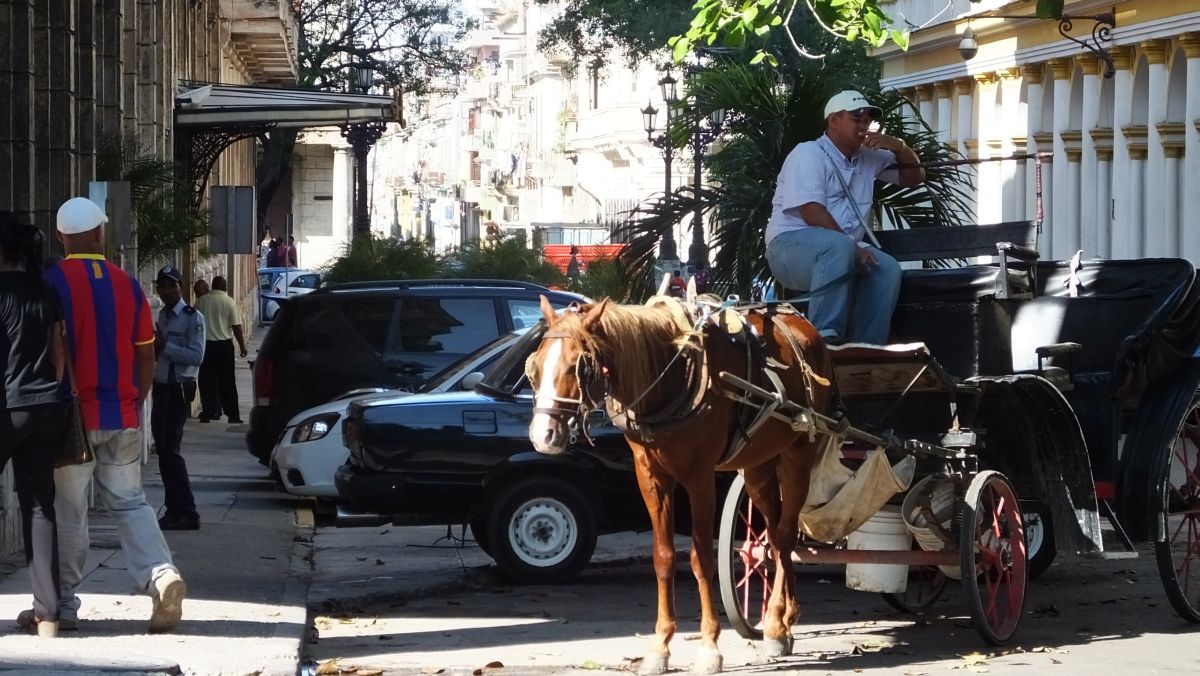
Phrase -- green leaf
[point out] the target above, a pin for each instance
(901, 39)
(681, 49)
(1050, 9)
(762, 30)
(750, 14)
(872, 25)
(758, 58)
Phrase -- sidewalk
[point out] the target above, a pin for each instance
(245, 611)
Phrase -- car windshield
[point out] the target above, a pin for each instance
(508, 374)
(455, 370)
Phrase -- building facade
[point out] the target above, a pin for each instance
(78, 74)
(1121, 178)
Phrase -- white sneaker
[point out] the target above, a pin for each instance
(168, 592)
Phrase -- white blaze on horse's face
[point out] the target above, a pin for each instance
(545, 432)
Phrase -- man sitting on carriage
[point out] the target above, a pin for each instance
(815, 238)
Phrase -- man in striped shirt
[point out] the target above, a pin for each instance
(110, 335)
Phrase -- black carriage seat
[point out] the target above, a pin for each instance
(870, 370)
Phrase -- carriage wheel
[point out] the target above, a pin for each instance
(745, 564)
(925, 587)
(1177, 542)
(992, 545)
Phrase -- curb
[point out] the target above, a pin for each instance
(295, 595)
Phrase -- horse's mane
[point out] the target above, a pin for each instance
(632, 339)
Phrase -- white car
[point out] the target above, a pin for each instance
(310, 447)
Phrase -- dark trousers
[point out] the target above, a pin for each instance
(218, 391)
(31, 436)
(166, 424)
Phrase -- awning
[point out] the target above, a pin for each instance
(222, 105)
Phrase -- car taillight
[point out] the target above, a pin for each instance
(264, 381)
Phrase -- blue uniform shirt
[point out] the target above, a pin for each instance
(182, 329)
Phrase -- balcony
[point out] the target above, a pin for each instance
(264, 35)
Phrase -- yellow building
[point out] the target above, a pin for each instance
(1122, 178)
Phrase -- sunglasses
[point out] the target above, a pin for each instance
(863, 112)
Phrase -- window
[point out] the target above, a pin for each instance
(524, 313)
(448, 325)
(370, 319)
(306, 282)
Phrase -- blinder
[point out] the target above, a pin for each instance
(593, 389)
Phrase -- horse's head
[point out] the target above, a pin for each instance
(566, 376)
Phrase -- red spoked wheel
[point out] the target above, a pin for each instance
(745, 563)
(995, 569)
(1177, 543)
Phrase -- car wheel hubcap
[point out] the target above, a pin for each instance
(543, 532)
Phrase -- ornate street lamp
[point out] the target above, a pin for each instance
(667, 249)
(361, 136)
(1102, 27)
(705, 130)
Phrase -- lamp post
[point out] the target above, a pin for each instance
(361, 136)
(1102, 27)
(667, 249)
(705, 130)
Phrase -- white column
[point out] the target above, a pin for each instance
(990, 186)
(1073, 243)
(1089, 215)
(1126, 242)
(1136, 196)
(965, 130)
(1061, 230)
(1189, 236)
(945, 105)
(341, 196)
(925, 105)
(1171, 183)
(1158, 232)
(1032, 74)
(1104, 201)
(1013, 129)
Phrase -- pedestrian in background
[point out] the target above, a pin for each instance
(223, 324)
(31, 430)
(273, 254)
(283, 253)
(110, 342)
(199, 288)
(179, 346)
(293, 256)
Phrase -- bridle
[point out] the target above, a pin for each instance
(573, 413)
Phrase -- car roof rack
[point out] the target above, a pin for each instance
(411, 283)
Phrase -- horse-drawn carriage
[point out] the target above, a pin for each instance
(1027, 394)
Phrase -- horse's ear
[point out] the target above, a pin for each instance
(548, 311)
(666, 284)
(592, 316)
(691, 291)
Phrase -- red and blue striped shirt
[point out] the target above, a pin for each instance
(107, 317)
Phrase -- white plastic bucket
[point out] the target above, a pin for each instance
(884, 531)
(936, 491)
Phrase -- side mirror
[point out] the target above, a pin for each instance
(471, 380)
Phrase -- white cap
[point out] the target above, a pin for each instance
(79, 214)
(850, 100)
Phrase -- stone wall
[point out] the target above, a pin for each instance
(75, 72)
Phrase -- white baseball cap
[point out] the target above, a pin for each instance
(851, 100)
(79, 214)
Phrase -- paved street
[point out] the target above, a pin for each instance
(413, 600)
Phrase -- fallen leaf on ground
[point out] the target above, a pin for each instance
(590, 665)
(329, 668)
(379, 562)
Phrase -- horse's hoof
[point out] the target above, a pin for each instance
(708, 661)
(774, 648)
(653, 665)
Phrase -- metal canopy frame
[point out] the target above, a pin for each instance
(210, 117)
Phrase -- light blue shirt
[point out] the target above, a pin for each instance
(807, 176)
(182, 329)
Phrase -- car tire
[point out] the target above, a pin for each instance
(541, 530)
(480, 534)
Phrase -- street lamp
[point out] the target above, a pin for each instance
(666, 250)
(361, 136)
(1102, 26)
(705, 130)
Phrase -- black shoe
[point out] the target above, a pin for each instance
(203, 418)
(174, 522)
(235, 421)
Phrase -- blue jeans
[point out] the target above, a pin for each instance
(859, 310)
(117, 470)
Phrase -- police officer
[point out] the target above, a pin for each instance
(179, 346)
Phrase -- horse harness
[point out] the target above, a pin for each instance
(695, 398)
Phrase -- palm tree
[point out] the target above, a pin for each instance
(767, 115)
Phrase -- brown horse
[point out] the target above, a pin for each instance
(658, 375)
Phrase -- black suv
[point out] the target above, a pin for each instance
(378, 334)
